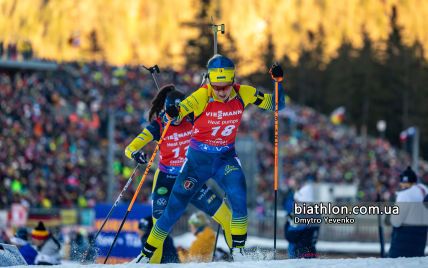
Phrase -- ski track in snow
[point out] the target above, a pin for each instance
(301, 263)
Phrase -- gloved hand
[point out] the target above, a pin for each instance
(276, 72)
(172, 111)
(139, 157)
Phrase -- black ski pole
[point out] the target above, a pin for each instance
(204, 78)
(216, 237)
(379, 224)
(143, 178)
(215, 28)
(92, 243)
(153, 70)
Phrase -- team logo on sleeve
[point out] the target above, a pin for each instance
(189, 183)
(162, 191)
(161, 202)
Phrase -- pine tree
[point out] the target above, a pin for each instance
(338, 80)
(309, 74)
(367, 88)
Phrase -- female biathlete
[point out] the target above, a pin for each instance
(217, 107)
(172, 154)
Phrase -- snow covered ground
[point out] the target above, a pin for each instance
(185, 240)
(302, 263)
(257, 262)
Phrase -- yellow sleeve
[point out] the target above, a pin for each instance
(195, 103)
(248, 94)
(139, 142)
(251, 95)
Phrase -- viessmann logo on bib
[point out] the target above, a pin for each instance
(177, 136)
(221, 114)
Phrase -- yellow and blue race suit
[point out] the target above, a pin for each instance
(211, 154)
(172, 156)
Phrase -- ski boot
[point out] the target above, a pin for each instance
(145, 254)
(238, 254)
(140, 259)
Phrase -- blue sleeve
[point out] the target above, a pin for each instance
(155, 129)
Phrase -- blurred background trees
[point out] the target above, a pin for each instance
(372, 84)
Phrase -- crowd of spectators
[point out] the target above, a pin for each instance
(313, 148)
(54, 143)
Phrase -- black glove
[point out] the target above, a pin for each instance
(172, 111)
(139, 157)
(276, 72)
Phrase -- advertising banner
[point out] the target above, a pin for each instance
(68, 216)
(128, 244)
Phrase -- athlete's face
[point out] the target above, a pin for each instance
(175, 122)
(222, 92)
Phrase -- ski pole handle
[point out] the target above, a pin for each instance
(153, 70)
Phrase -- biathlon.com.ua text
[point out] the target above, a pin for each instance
(317, 213)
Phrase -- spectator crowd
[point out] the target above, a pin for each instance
(315, 149)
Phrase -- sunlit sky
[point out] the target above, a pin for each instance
(153, 32)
